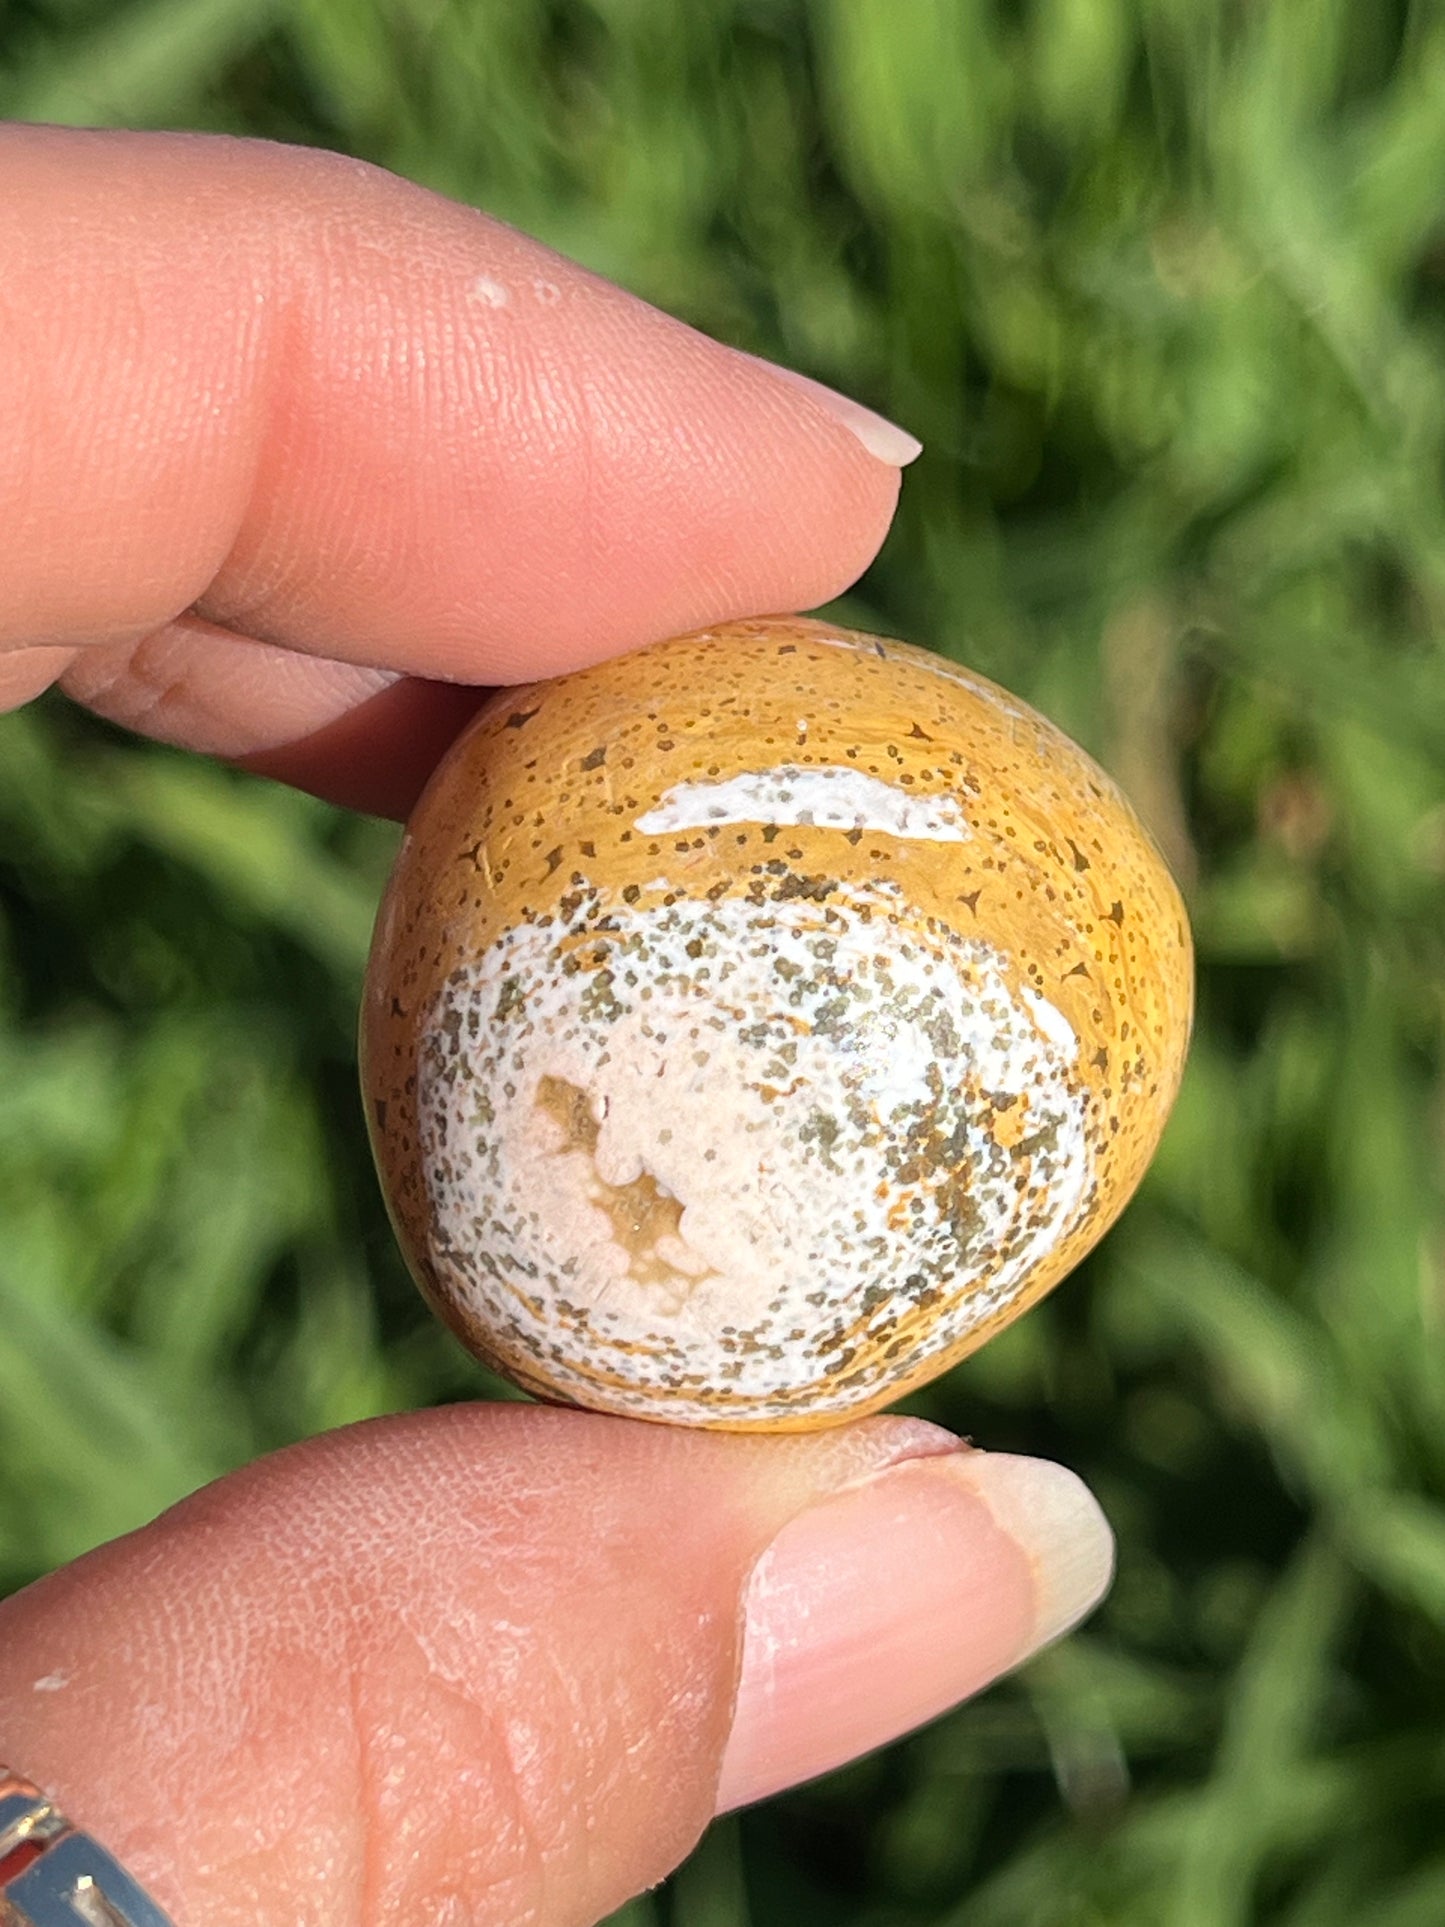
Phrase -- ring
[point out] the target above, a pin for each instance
(52, 1875)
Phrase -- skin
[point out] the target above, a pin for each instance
(282, 481)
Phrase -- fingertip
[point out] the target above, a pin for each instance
(891, 1602)
(1047, 1510)
(885, 440)
(489, 1651)
(417, 444)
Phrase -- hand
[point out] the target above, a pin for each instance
(295, 456)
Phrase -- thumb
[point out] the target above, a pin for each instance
(500, 1664)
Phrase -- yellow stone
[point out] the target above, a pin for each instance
(758, 1023)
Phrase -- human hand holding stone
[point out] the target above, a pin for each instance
(296, 456)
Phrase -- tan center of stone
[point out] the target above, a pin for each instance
(642, 1214)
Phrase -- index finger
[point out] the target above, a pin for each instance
(265, 399)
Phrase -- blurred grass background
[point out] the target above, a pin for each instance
(1162, 285)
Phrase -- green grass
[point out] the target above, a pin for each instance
(1162, 285)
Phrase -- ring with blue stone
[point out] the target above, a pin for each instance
(53, 1875)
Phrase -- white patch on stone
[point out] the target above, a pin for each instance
(1051, 1021)
(828, 797)
(987, 692)
(807, 1081)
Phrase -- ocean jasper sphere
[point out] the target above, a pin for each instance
(757, 1023)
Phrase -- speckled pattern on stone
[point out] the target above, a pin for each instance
(758, 1022)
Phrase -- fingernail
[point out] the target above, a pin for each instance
(879, 436)
(886, 1605)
